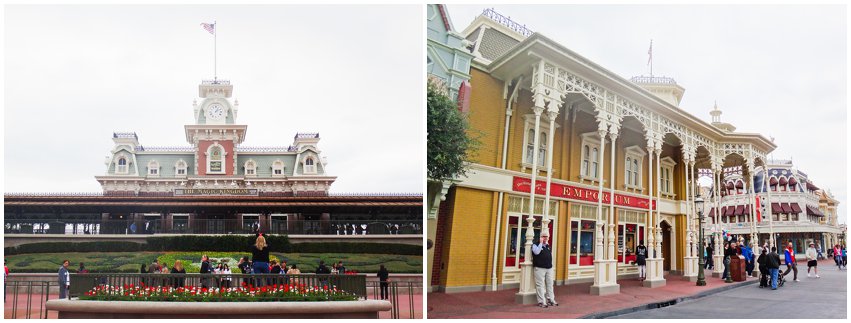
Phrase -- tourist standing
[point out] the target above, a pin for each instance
(205, 271)
(844, 258)
(181, 273)
(773, 264)
(791, 264)
(226, 281)
(542, 260)
(641, 260)
(837, 256)
(260, 258)
(340, 268)
(818, 251)
(64, 280)
(763, 268)
(729, 251)
(709, 250)
(384, 281)
(749, 258)
(812, 260)
(82, 269)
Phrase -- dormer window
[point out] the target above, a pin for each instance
(180, 168)
(309, 167)
(250, 168)
(278, 168)
(153, 168)
(122, 166)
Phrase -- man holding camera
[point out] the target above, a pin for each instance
(542, 260)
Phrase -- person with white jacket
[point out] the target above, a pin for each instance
(812, 260)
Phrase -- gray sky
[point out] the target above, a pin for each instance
(775, 70)
(75, 74)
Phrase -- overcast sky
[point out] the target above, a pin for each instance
(775, 70)
(75, 74)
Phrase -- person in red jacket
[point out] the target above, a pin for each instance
(791, 264)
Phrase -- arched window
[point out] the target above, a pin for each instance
(216, 159)
(153, 168)
(278, 168)
(530, 146)
(250, 168)
(585, 157)
(309, 167)
(122, 165)
(180, 168)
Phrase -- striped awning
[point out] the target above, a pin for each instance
(776, 209)
(786, 208)
(740, 209)
(729, 210)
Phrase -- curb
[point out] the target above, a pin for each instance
(666, 303)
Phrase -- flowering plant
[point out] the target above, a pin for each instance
(244, 293)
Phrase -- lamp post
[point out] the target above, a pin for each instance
(698, 205)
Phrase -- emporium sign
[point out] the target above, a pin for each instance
(578, 193)
(215, 191)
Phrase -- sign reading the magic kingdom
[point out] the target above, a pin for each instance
(215, 191)
(578, 193)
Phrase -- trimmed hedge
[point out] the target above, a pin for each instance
(277, 243)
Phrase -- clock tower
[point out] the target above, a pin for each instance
(215, 133)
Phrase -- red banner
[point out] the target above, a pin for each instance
(578, 193)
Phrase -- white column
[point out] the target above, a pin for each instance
(754, 233)
(718, 257)
(545, 220)
(689, 263)
(771, 241)
(598, 288)
(612, 264)
(655, 275)
(527, 282)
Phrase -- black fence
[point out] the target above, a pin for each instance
(180, 225)
(27, 298)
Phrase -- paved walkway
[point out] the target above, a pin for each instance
(811, 298)
(575, 300)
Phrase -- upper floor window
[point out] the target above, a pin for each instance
(667, 175)
(309, 167)
(216, 159)
(529, 141)
(153, 168)
(250, 168)
(180, 168)
(278, 168)
(122, 166)
(590, 168)
(632, 167)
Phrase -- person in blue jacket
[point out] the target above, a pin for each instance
(749, 259)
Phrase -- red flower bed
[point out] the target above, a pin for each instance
(245, 293)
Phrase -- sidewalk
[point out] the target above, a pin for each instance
(575, 301)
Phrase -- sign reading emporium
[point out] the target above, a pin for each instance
(578, 193)
(215, 191)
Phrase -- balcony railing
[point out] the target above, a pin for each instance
(211, 226)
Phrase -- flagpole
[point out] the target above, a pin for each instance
(215, 31)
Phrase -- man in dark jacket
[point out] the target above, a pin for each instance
(205, 271)
(322, 269)
(542, 260)
(763, 268)
(64, 280)
(773, 265)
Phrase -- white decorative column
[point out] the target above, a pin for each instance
(718, 257)
(526, 292)
(754, 233)
(552, 113)
(771, 237)
(655, 275)
(608, 282)
(603, 280)
(690, 260)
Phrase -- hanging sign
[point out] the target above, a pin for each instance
(579, 194)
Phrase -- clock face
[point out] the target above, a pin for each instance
(216, 111)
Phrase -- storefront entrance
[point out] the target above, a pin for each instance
(666, 245)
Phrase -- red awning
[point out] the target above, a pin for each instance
(739, 184)
(795, 208)
(740, 209)
(783, 181)
(773, 181)
(793, 181)
(730, 185)
(786, 208)
(729, 210)
(776, 209)
(748, 209)
(814, 211)
(812, 187)
(712, 212)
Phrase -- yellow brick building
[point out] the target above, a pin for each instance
(540, 111)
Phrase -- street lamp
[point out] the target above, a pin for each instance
(698, 205)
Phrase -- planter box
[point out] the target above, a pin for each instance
(77, 309)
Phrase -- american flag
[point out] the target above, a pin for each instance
(210, 28)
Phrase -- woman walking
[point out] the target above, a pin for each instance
(260, 258)
(812, 260)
